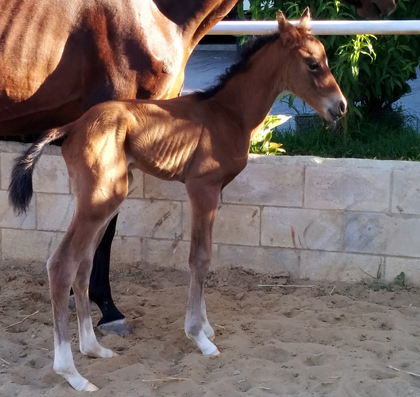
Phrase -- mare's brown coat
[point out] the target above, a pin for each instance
(60, 57)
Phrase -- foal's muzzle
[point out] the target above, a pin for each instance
(338, 109)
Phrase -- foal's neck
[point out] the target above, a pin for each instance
(249, 95)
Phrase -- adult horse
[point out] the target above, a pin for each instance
(178, 139)
(59, 58)
(374, 9)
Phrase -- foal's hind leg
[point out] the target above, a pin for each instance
(71, 265)
(87, 339)
(62, 271)
(207, 328)
(204, 201)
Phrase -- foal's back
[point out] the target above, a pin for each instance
(161, 138)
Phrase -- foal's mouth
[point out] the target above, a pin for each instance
(334, 116)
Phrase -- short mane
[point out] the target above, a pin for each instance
(251, 46)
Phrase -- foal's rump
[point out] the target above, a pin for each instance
(91, 137)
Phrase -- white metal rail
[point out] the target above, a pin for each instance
(320, 27)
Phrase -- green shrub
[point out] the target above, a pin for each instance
(391, 135)
(261, 142)
(372, 71)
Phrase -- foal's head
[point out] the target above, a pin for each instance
(308, 74)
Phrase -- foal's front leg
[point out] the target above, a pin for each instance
(204, 201)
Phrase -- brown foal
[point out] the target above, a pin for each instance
(201, 139)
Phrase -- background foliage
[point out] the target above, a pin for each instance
(372, 71)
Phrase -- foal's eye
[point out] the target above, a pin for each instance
(314, 66)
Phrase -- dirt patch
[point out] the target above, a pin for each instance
(329, 340)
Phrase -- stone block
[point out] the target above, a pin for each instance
(9, 219)
(30, 245)
(260, 259)
(382, 234)
(54, 212)
(6, 164)
(164, 190)
(166, 253)
(338, 266)
(360, 189)
(126, 250)
(136, 188)
(266, 184)
(50, 175)
(234, 224)
(301, 228)
(148, 218)
(411, 268)
(406, 192)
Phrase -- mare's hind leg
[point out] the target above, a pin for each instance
(112, 321)
(204, 201)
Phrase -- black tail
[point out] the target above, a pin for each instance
(20, 188)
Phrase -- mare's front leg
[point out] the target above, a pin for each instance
(204, 201)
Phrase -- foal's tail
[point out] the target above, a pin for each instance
(20, 188)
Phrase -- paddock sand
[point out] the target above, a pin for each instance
(273, 341)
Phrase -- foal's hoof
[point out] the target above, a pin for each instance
(215, 353)
(203, 343)
(119, 327)
(72, 302)
(90, 387)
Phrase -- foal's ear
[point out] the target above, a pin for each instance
(304, 19)
(282, 21)
(288, 33)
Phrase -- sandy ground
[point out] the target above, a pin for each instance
(329, 340)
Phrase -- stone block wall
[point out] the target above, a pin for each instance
(332, 219)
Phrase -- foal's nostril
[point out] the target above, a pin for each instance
(342, 107)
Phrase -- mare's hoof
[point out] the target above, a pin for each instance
(119, 327)
(90, 387)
